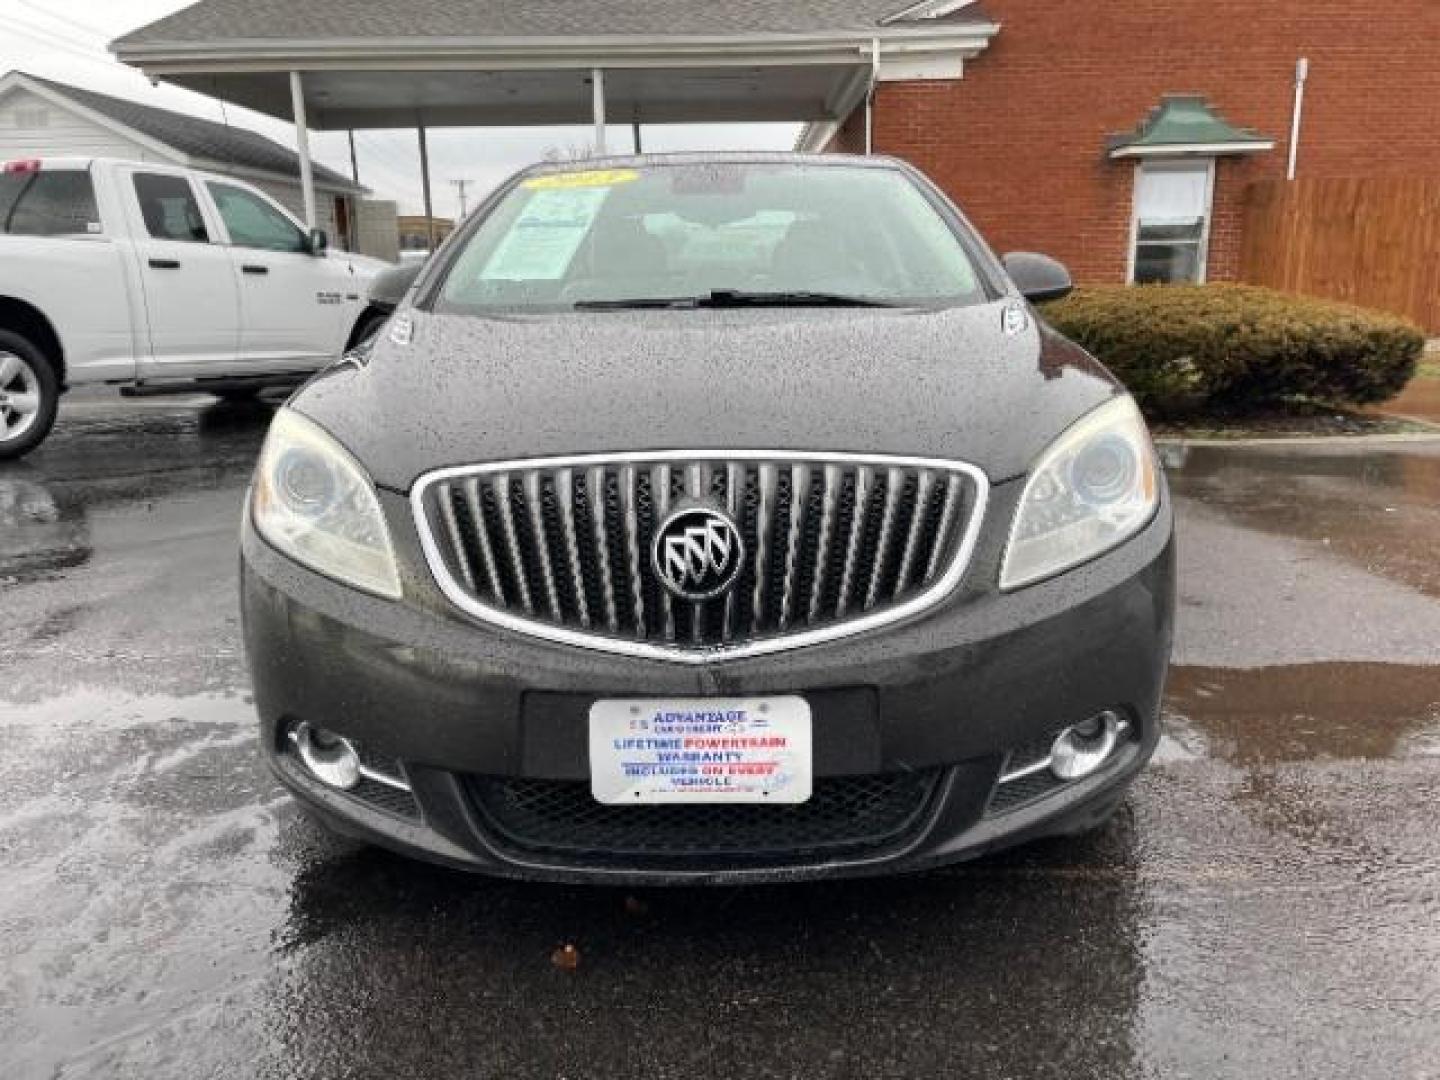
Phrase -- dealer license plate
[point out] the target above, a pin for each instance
(700, 750)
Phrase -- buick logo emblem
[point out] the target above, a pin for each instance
(697, 553)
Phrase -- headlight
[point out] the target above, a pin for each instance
(1093, 488)
(314, 502)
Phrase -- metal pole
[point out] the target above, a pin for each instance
(302, 138)
(1302, 72)
(635, 129)
(597, 104)
(354, 161)
(425, 186)
(870, 95)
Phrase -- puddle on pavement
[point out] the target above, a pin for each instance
(1303, 712)
(1376, 508)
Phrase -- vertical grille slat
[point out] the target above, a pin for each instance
(595, 489)
(512, 541)
(541, 542)
(457, 540)
(917, 531)
(567, 543)
(487, 548)
(733, 478)
(829, 512)
(628, 485)
(697, 486)
(764, 513)
(894, 489)
(660, 496)
(947, 517)
(799, 496)
(565, 494)
(864, 478)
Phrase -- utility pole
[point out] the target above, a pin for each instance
(460, 187)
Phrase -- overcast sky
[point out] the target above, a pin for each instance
(68, 40)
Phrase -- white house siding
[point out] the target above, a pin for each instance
(30, 126)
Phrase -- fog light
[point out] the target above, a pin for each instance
(1082, 749)
(330, 758)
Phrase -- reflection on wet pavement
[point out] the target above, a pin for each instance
(1264, 905)
(1306, 712)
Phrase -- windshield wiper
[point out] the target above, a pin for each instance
(734, 298)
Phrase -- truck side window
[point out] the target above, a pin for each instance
(169, 208)
(52, 203)
(254, 223)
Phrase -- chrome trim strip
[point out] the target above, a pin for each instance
(384, 778)
(1028, 770)
(938, 590)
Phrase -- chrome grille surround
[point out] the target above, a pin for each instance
(611, 602)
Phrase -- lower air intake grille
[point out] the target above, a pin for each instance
(843, 814)
(563, 547)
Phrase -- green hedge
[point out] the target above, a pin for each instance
(1234, 348)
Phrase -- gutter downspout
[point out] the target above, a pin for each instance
(870, 96)
(1302, 73)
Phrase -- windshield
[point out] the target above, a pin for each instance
(714, 234)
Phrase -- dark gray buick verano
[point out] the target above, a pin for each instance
(711, 519)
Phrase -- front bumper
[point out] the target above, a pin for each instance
(944, 699)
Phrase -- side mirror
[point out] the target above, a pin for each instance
(318, 241)
(1038, 277)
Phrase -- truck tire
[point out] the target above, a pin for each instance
(29, 395)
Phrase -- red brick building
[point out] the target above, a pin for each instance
(1021, 138)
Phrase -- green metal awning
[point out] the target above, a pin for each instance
(1186, 124)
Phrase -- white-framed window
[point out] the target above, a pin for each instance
(1170, 226)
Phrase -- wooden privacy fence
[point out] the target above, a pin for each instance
(1373, 242)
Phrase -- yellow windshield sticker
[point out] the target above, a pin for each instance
(593, 178)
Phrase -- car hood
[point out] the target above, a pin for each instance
(954, 384)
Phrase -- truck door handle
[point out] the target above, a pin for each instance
(165, 264)
(251, 268)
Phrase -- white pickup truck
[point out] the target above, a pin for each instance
(158, 279)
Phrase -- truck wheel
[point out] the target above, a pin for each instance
(29, 396)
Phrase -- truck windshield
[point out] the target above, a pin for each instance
(722, 234)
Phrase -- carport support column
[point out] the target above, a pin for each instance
(302, 139)
(597, 105)
(425, 186)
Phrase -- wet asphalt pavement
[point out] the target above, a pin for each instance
(1266, 905)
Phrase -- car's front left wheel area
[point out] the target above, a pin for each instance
(29, 395)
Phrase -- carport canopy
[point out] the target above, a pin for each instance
(348, 64)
